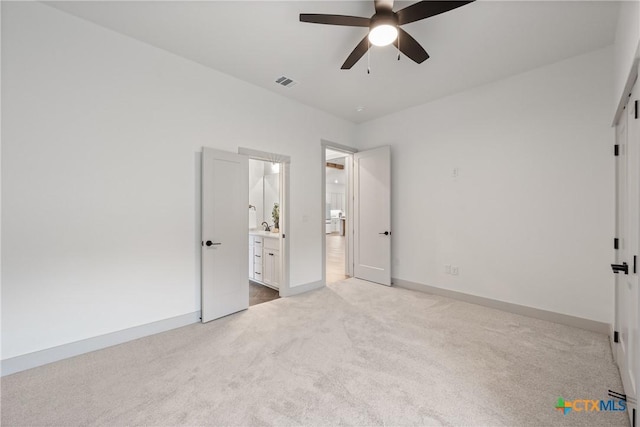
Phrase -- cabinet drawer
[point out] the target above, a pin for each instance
(257, 269)
(272, 244)
(257, 258)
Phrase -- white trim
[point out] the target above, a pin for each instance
(264, 155)
(550, 316)
(626, 92)
(53, 354)
(285, 254)
(323, 207)
(300, 289)
(337, 147)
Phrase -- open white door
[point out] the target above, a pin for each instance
(628, 232)
(372, 215)
(225, 286)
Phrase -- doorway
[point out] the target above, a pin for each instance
(264, 231)
(366, 214)
(337, 232)
(225, 224)
(267, 259)
(337, 179)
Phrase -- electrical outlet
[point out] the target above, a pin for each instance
(455, 172)
(454, 270)
(447, 268)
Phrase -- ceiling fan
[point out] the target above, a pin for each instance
(384, 26)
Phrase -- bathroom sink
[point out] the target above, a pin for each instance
(263, 233)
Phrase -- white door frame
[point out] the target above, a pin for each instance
(285, 165)
(348, 196)
(628, 241)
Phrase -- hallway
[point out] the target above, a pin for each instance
(335, 257)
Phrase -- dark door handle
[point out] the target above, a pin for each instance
(624, 267)
(386, 233)
(210, 243)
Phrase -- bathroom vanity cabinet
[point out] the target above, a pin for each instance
(264, 258)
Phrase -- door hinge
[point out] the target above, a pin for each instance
(633, 418)
(616, 336)
(616, 150)
(635, 263)
(616, 243)
(635, 109)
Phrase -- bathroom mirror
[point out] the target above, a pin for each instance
(264, 190)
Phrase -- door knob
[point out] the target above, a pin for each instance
(624, 267)
(386, 233)
(210, 243)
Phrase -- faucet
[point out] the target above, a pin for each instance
(266, 226)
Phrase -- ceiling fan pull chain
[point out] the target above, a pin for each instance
(369, 58)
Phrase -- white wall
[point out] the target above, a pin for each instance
(627, 45)
(99, 176)
(530, 219)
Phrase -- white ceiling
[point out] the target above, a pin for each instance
(259, 41)
(335, 156)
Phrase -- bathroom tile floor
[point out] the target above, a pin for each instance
(260, 293)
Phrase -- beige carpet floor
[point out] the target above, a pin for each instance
(353, 353)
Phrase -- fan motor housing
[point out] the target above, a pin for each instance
(384, 18)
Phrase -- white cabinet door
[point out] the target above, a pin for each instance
(271, 267)
(276, 269)
(224, 284)
(267, 267)
(271, 262)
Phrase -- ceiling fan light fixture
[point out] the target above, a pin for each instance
(383, 35)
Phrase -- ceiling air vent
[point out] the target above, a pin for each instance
(286, 81)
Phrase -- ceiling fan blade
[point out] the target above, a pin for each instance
(357, 53)
(425, 9)
(349, 21)
(410, 47)
(383, 5)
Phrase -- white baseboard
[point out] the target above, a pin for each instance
(300, 289)
(550, 316)
(49, 355)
